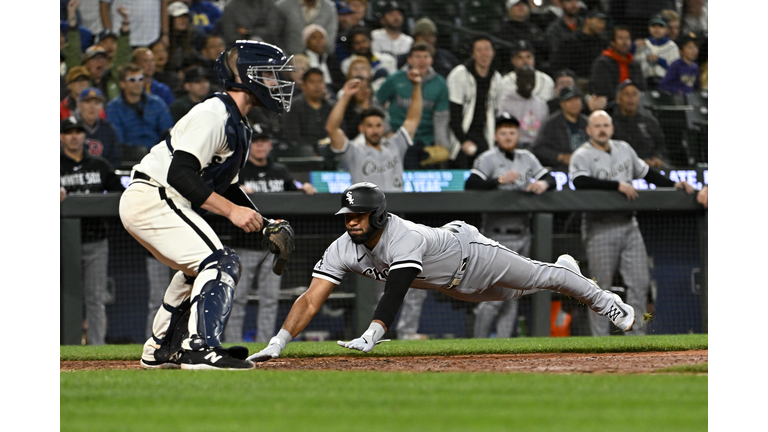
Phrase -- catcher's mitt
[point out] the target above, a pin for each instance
(278, 234)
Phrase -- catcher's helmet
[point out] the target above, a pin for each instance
(259, 66)
(363, 198)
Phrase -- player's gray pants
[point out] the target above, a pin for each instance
(95, 256)
(496, 273)
(158, 276)
(253, 262)
(410, 312)
(618, 246)
(504, 311)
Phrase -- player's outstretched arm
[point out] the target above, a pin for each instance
(303, 310)
(333, 124)
(413, 116)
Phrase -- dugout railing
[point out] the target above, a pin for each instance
(674, 226)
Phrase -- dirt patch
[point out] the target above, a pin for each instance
(644, 362)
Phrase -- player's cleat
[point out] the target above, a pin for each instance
(171, 364)
(213, 359)
(621, 314)
(567, 261)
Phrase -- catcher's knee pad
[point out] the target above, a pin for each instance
(220, 273)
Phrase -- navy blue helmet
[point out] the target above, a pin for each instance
(263, 70)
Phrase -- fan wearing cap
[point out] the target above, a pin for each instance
(315, 40)
(184, 38)
(443, 61)
(347, 20)
(524, 55)
(390, 38)
(78, 79)
(517, 26)
(261, 174)
(101, 138)
(563, 131)
(196, 88)
(83, 173)
(583, 47)
(656, 52)
(683, 74)
(614, 65)
(294, 15)
(507, 168)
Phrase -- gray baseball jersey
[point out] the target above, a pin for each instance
(383, 167)
(620, 163)
(493, 163)
(491, 271)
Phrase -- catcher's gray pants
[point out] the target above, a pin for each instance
(158, 276)
(618, 246)
(503, 311)
(95, 258)
(254, 261)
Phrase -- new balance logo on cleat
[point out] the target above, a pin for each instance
(212, 357)
(217, 358)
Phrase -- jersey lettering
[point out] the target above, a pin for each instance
(374, 273)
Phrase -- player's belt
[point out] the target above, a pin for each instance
(461, 236)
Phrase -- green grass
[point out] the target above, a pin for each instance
(139, 400)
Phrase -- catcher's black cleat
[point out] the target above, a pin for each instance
(213, 359)
(172, 363)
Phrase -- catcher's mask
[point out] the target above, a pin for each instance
(365, 198)
(263, 70)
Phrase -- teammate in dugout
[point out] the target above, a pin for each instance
(454, 259)
(613, 240)
(196, 170)
(508, 168)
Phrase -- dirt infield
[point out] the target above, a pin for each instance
(621, 363)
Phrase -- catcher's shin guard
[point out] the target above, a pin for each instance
(213, 303)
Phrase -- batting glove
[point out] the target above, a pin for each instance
(367, 341)
(276, 346)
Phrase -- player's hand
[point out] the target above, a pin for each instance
(703, 196)
(685, 186)
(469, 148)
(509, 177)
(352, 86)
(308, 188)
(72, 10)
(538, 187)
(628, 190)
(247, 219)
(272, 351)
(123, 11)
(367, 341)
(62, 194)
(415, 76)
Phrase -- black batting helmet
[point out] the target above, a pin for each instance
(262, 69)
(364, 198)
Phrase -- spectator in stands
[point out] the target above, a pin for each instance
(444, 60)
(524, 105)
(382, 64)
(683, 74)
(607, 164)
(149, 20)
(672, 19)
(615, 65)
(695, 17)
(100, 135)
(205, 15)
(642, 131)
(635, 14)
(294, 15)
(212, 48)
(141, 119)
(656, 52)
(83, 173)
(315, 37)
(164, 73)
(246, 19)
(567, 78)
(261, 174)
(565, 27)
(302, 66)
(390, 38)
(196, 86)
(517, 26)
(582, 48)
(144, 58)
(432, 133)
(473, 91)
(361, 102)
(524, 54)
(359, 11)
(304, 125)
(504, 167)
(78, 79)
(186, 40)
(347, 20)
(108, 40)
(562, 132)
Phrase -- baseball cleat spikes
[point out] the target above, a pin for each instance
(213, 359)
(621, 314)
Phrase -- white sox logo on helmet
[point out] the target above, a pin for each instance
(350, 199)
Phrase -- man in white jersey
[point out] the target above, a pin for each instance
(613, 240)
(195, 169)
(454, 259)
(507, 168)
